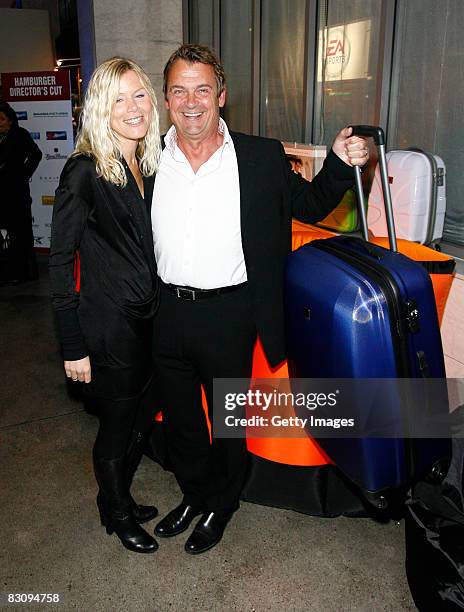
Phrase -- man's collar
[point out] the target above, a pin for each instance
(170, 139)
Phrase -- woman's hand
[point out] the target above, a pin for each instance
(78, 370)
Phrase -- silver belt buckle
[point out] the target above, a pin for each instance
(188, 294)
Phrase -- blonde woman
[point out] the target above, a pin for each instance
(101, 211)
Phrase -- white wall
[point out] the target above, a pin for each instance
(25, 41)
(147, 31)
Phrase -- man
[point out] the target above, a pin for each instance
(222, 210)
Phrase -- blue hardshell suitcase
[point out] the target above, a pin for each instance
(355, 310)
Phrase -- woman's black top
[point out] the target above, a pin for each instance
(110, 318)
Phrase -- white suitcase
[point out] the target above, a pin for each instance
(418, 191)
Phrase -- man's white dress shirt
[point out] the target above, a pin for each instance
(196, 217)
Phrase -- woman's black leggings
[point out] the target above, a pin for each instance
(118, 419)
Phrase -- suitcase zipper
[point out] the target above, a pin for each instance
(392, 294)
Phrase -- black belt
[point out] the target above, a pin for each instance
(191, 293)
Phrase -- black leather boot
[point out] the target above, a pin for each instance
(142, 514)
(115, 506)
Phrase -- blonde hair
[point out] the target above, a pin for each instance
(97, 139)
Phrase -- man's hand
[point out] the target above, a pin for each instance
(78, 370)
(353, 150)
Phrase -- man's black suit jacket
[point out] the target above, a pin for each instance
(270, 195)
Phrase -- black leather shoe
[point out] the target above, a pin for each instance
(207, 533)
(143, 514)
(177, 521)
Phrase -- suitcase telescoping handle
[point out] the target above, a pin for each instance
(379, 138)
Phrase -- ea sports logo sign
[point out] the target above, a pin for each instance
(338, 51)
(335, 46)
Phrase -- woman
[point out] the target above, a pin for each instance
(101, 212)
(19, 158)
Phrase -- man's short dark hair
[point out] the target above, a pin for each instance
(196, 54)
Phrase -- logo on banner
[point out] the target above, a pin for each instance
(51, 114)
(48, 200)
(61, 135)
(55, 155)
(38, 239)
(338, 52)
(21, 115)
(49, 179)
(35, 135)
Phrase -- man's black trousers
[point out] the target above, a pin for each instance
(195, 342)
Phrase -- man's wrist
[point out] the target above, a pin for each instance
(338, 167)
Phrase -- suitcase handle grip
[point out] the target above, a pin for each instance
(378, 135)
(369, 130)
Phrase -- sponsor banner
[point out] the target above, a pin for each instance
(47, 115)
